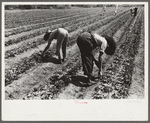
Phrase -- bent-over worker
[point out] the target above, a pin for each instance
(62, 38)
(87, 42)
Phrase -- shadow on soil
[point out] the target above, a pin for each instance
(80, 81)
(52, 59)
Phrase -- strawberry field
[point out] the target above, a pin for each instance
(29, 77)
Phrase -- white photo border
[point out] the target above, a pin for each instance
(67, 110)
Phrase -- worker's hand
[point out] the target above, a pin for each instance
(62, 60)
(100, 74)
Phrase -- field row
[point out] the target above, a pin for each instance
(118, 75)
(25, 28)
(77, 58)
(13, 50)
(17, 19)
(62, 77)
(73, 36)
(28, 76)
(64, 23)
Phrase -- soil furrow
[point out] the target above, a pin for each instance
(85, 92)
(13, 50)
(118, 75)
(49, 17)
(27, 63)
(35, 32)
(44, 24)
(74, 92)
(137, 87)
(31, 78)
(37, 77)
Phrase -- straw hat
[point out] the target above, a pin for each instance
(110, 50)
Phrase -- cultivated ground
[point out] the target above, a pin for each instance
(28, 77)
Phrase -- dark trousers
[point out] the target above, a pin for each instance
(86, 46)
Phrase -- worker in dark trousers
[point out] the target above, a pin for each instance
(62, 38)
(133, 11)
(87, 42)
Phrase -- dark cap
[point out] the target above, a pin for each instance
(110, 50)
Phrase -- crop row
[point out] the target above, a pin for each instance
(43, 16)
(118, 75)
(52, 86)
(33, 33)
(15, 16)
(58, 81)
(27, 63)
(25, 28)
(38, 16)
(33, 43)
(32, 20)
(93, 26)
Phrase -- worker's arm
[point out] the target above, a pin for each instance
(51, 37)
(94, 59)
(48, 45)
(46, 48)
(100, 64)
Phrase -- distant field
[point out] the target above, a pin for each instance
(27, 77)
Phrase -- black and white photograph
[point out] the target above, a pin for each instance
(78, 54)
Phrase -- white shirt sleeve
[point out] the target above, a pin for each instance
(101, 41)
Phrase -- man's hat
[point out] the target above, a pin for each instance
(111, 45)
(46, 36)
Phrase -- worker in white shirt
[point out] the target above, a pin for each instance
(116, 9)
(87, 42)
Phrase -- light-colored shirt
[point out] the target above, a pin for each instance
(101, 42)
(58, 32)
(60, 35)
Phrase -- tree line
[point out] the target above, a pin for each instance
(11, 7)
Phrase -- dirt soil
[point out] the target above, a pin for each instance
(123, 73)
